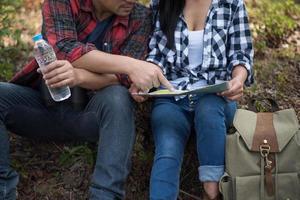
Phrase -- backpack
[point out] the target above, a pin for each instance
(263, 157)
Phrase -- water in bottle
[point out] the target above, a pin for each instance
(44, 55)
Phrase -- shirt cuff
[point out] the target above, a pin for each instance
(250, 78)
(77, 52)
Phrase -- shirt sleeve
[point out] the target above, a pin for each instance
(59, 29)
(240, 43)
(157, 40)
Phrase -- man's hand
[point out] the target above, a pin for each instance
(60, 73)
(134, 90)
(236, 85)
(146, 75)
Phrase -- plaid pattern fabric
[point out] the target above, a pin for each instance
(227, 43)
(66, 24)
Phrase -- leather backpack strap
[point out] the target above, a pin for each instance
(265, 141)
(265, 133)
(268, 176)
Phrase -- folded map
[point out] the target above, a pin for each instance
(200, 90)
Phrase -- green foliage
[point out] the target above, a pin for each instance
(78, 153)
(7, 10)
(273, 21)
(9, 37)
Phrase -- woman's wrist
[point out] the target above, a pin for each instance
(240, 73)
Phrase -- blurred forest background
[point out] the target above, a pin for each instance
(60, 172)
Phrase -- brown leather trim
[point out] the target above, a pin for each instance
(268, 177)
(269, 182)
(265, 131)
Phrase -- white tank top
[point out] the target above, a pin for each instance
(195, 48)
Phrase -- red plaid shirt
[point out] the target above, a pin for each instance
(66, 24)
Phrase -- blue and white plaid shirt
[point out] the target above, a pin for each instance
(227, 43)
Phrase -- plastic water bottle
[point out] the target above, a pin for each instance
(44, 55)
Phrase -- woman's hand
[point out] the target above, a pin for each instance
(60, 73)
(236, 85)
(133, 91)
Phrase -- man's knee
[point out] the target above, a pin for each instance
(115, 98)
(4, 88)
(4, 92)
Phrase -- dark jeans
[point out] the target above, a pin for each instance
(108, 117)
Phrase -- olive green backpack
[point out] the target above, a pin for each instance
(263, 157)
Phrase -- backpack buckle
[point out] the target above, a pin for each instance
(265, 151)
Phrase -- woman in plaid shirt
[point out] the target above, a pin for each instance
(196, 43)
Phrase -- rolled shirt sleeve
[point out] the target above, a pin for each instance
(59, 29)
(240, 43)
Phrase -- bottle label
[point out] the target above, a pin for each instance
(46, 57)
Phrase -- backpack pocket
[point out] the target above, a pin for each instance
(248, 187)
(225, 187)
(288, 186)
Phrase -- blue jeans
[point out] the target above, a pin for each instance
(108, 117)
(172, 123)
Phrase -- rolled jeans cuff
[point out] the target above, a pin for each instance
(210, 173)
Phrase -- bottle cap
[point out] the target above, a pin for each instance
(37, 37)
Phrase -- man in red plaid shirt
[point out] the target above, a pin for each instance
(97, 43)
